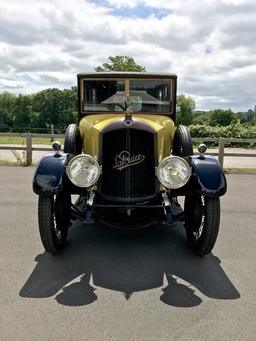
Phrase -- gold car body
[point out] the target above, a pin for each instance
(91, 126)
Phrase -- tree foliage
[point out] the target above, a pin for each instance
(22, 111)
(247, 117)
(185, 109)
(7, 107)
(200, 118)
(220, 117)
(120, 63)
(40, 110)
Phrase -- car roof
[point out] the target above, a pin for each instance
(126, 75)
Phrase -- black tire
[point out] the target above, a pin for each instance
(202, 220)
(54, 220)
(182, 142)
(72, 141)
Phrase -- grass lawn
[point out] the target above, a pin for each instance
(240, 170)
(22, 140)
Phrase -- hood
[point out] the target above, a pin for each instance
(91, 127)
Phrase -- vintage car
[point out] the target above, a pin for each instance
(126, 163)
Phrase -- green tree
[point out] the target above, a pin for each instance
(74, 89)
(7, 106)
(22, 111)
(201, 118)
(68, 113)
(54, 106)
(247, 117)
(37, 121)
(49, 104)
(220, 117)
(251, 116)
(120, 63)
(185, 109)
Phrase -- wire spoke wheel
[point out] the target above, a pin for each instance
(54, 220)
(202, 219)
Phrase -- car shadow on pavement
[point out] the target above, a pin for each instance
(128, 261)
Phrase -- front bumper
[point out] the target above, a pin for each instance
(164, 210)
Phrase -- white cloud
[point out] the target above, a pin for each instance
(208, 43)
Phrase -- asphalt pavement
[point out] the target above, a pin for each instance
(120, 285)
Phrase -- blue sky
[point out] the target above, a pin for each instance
(208, 44)
(141, 10)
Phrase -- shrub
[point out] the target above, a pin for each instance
(236, 130)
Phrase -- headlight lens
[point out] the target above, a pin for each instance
(173, 172)
(83, 170)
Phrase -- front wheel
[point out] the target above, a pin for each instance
(54, 220)
(202, 220)
(72, 141)
(182, 142)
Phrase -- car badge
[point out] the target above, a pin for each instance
(128, 122)
(124, 160)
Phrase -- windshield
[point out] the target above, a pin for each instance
(116, 95)
(154, 95)
(98, 94)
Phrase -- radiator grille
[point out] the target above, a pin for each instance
(128, 163)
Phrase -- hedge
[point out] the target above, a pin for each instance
(236, 130)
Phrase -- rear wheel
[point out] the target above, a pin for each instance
(72, 141)
(54, 220)
(182, 142)
(202, 219)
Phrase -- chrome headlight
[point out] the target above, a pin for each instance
(173, 172)
(83, 170)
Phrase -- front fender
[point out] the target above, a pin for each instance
(49, 173)
(209, 175)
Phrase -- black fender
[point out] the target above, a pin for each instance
(48, 177)
(209, 175)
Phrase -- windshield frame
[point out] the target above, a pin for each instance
(168, 79)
